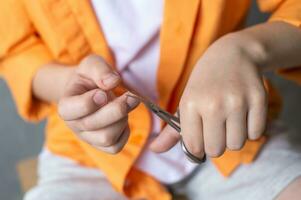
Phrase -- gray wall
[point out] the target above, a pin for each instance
(20, 140)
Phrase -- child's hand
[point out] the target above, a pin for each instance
(91, 110)
(223, 104)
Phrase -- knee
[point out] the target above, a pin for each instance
(31, 195)
(292, 191)
(41, 192)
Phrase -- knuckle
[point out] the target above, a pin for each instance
(61, 109)
(114, 150)
(120, 110)
(124, 122)
(73, 126)
(196, 150)
(255, 134)
(256, 131)
(236, 102)
(188, 104)
(93, 63)
(259, 97)
(90, 60)
(85, 124)
(105, 140)
(83, 136)
(214, 151)
(214, 106)
(84, 106)
(85, 63)
(235, 146)
(99, 148)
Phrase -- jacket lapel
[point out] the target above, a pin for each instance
(175, 36)
(86, 17)
(116, 167)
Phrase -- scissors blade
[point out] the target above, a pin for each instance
(170, 119)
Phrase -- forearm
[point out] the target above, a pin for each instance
(271, 45)
(49, 82)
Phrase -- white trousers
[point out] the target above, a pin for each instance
(278, 164)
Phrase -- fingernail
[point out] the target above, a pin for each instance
(100, 98)
(132, 102)
(111, 79)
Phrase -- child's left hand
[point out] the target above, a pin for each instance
(223, 104)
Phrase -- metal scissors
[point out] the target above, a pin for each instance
(170, 119)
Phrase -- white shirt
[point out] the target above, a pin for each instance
(131, 29)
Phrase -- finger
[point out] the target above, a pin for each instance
(192, 130)
(74, 107)
(96, 69)
(107, 136)
(78, 85)
(108, 114)
(257, 116)
(214, 135)
(119, 145)
(236, 130)
(166, 140)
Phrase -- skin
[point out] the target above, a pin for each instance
(85, 101)
(224, 102)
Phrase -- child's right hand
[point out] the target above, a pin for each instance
(90, 109)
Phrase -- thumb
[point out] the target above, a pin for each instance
(95, 69)
(166, 140)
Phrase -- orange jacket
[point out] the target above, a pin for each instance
(33, 33)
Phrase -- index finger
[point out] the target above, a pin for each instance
(108, 114)
(78, 106)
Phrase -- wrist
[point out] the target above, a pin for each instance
(250, 48)
(64, 73)
(49, 82)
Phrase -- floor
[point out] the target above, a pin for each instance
(21, 140)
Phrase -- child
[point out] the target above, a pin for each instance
(65, 60)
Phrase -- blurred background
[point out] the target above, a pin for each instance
(20, 140)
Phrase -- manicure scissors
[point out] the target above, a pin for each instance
(171, 120)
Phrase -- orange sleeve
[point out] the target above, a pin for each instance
(22, 52)
(288, 11)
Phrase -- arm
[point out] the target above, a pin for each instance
(272, 45)
(82, 92)
(285, 11)
(22, 53)
(50, 80)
